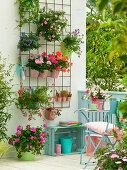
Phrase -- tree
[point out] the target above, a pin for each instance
(101, 70)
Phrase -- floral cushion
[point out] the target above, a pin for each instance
(100, 127)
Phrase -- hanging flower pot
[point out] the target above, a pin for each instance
(64, 99)
(34, 73)
(50, 113)
(66, 51)
(44, 75)
(55, 74)
(68, 99)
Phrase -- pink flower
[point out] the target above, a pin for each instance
(53, 23)
(116, 128)
(119, 136)
(120, 168)
(40, 34)
(59, 41)
(30, 146)
(45, 139)
(11, 141)
(42, 24)
(50, 38)
(53, 36)
(19, 128)
(103, 133)
(87, 91)
(45, 22)
(47, 19)
(124, 120)
(124, 159)
(58, 68)
(58, 30)
(17, 139)
(65, 17)
(114, 156)
(44, 54)
(121, 118)
(44, 125)
(49, 62)
(55, 15)
(18, 133)
(41, 141)
(51, 26)
(42, 134)
(37, 141)
(33, 129)
(34, 137)
(48, 132)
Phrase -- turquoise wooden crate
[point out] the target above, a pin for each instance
(56, 132)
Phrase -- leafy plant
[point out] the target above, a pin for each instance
(50, 24)
(5, 96)
(28, 42)
(64, 93)
(34, 101)
(29, 139)
(72, 41)
(4, 147)
(28, 8)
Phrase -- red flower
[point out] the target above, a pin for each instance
(71, 64)
(94, 98)
(67, 58)
(64, 69)
(87, 91)
(58, 53)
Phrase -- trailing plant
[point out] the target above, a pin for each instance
(5, 96)
(33, 102)
(72, 41)
(28, 8)
(28, 42)
(50, 24)
(29, 139)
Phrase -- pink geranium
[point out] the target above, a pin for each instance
(33, 129)
(17, 139)
(58, 68)
(48, 62)
(44, 125)
(45, 22)
(18, 133)
(19, 128)
(44, 54)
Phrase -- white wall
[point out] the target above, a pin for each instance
(9, 36)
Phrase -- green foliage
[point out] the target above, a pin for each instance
(28, 42)
(29, 139)
(5, 97)
(28, 8)
(72, 41)
(4, 147)
(33, 101)
(101, 69)
(50, 24)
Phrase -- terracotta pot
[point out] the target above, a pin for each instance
(34, 73)
(50, 114)
(64, 99)
(44, 75)
(99, 103)
(68, 99)
(55, 74)
(59, 99)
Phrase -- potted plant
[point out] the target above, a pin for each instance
(97, 95)
(28, 42)
(71, 43)
(33, 102)
(39, 65)
(50, 24)
(25, 6)
(51, 113)
(58, 63)
(29, 141)
(64, 94)
(69, 96)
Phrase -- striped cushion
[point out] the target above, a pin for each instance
(100, 127)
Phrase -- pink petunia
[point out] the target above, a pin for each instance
(19, 128)
(32, 137)
(33, 129)
(47, 19)
(30, 146)
(58, 30)
(114, 156)
(18, 133)
(44, 125)
(119, 136)
(17, 139)
(48, 62)
(45, 22)
(55, 15)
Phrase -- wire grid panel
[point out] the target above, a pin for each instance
(64, 80)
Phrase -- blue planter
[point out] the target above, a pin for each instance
(66, 145)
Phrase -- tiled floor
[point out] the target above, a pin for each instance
(44, 162)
